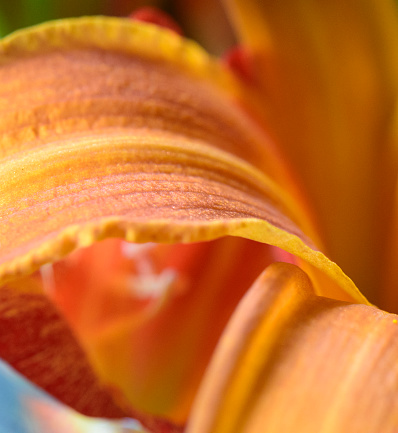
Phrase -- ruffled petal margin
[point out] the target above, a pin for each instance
(129, 131)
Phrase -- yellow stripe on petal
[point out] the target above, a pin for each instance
(129, 131)
(143, 189)
(104, 72)
(292, 361)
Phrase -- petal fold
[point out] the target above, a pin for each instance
(130, 131)
(292, 361)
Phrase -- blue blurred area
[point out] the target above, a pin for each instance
(12, 388)
(17, 417)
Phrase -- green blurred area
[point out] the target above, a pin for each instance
(16, 14)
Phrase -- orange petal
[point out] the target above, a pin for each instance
(37, 342)
(387, 296)
(129, 131)
(327, 85)
(150, 320)
(292, 361)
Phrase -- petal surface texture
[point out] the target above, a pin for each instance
(325, 77)
(292, 361)
(130, 131)
(37, 342)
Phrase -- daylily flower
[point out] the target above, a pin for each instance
(147, 185)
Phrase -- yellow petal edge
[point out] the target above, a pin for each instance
(146, 41)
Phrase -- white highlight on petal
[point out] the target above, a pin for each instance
(47, 277)
(145, 286)
(147, 283)
(133, 250)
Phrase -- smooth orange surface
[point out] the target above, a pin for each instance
(292, 361)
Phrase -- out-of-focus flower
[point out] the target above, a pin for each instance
(146, 186)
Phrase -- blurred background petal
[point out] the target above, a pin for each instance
(326, 80)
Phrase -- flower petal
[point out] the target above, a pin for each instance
(292, 361)
(326, 80)
(27, 409)
(387, 296)
(149, 316)
(38, 343)
(125, 132)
